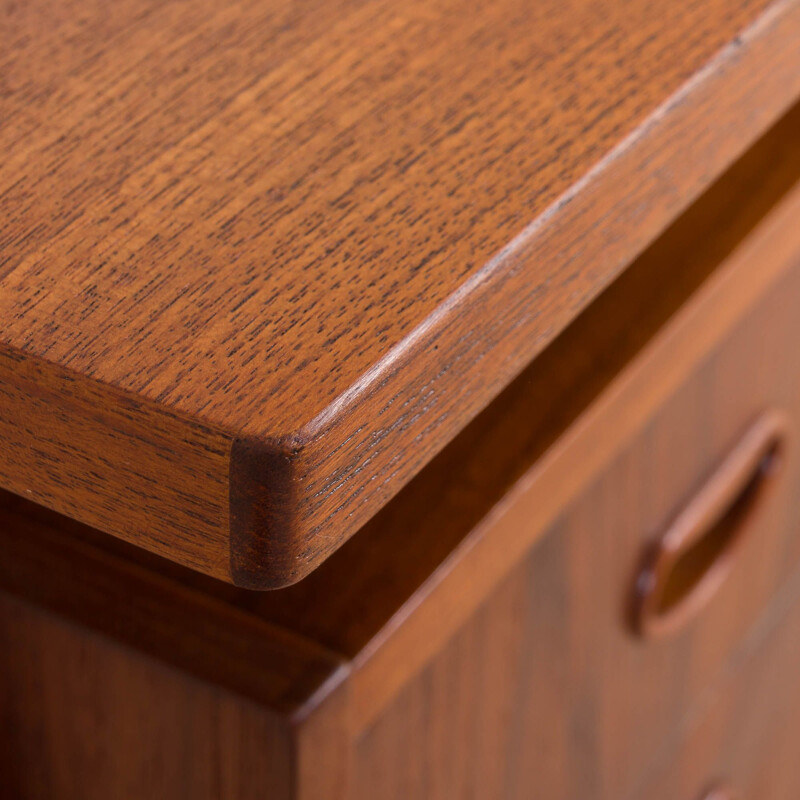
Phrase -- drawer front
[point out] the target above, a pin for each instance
(742, 744)
(662, 567)
(568, 680)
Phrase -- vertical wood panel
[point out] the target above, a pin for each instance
(82, 718)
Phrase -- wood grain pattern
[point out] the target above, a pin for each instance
(761, 272)
(410, 542)
(86, 719)
(274, 259)
(442, 691)
(544, 691)
(744, 734)
(409, 547)
(489, 718)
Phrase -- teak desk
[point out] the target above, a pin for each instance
(399, 399)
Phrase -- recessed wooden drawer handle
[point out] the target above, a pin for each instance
(689, 562)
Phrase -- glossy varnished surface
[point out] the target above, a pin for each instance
(229, 235)
(476, 636)
(85, 719)
(250, 209)
(526, 681)
(546, 691)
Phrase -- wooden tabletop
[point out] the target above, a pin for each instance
(261, 260)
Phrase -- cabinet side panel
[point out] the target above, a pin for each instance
(82, 718)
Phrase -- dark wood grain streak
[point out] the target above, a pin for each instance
(262, 494)
(241, 223)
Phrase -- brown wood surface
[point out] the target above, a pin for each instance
(82, 718)
(762, 272)
(487, 719)
(407, 549)
(85, 718)
(692, 557)
(260, 262)
(117, 681)
(545, 691)
(744, 734)
(429, 671)
(403, 550)
(63, 566)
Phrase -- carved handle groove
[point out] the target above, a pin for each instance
(689, 562)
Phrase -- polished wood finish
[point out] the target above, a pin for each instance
(689, 561)
(255, 274)
(545, 691)
(743, 736)
(764, 265)
(84, 718)
(474, 640)
(408, 547)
